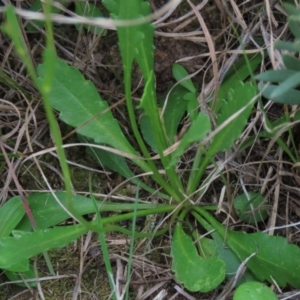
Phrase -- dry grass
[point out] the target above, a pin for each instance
(202, 38)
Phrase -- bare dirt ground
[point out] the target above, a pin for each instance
(80, 271)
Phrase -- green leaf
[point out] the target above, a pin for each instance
(291, 98)
(238, 97)
(198, 129)
(25, 245)
(147, 131)
(292, 10)
(288, 46)
(179, 72)
(48, 212)
(231, 260)
(238, 72)
(174, 112)
(129, 36)
(107, 159)
(11, 212)
(274, 258)
(250, 208)
(207, 247)
(225, 253)
(254, 291)
(193, 105)
(14, 276)
(21, 266)
(89, 10)
(276, 75)
(145, 49)
(71, 90)
(287, 85)
(291, 62)
(295, 27)
(195, 272)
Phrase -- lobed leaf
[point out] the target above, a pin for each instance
(231, 260)
(196, 132)
(71, 90)
(240, 96)
(147, 131)
(238, 72)
(194, 271)
(173, 113)
(275, 259)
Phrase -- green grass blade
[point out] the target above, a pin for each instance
(103, 244)
(12, 29)
(132, 241)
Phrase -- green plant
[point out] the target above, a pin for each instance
(282, 86)
(254, 290)
(287, 80)
(201, 266)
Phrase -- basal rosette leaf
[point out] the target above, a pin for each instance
(24, 245)
(275, 259)
(11, 212)
(198, 274)
(240, 97)
(80, 105)
(254, 291)
(48, 212)
(196, 132)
